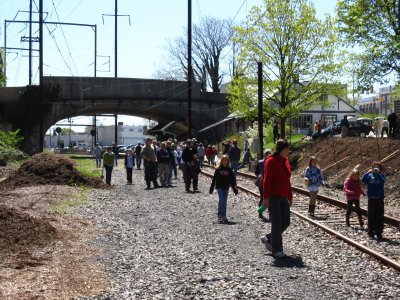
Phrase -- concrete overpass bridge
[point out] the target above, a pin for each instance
(33, 111)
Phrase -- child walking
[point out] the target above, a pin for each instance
(375, 181)
(313, 179)
(223, 178)
(353, 190)
(129, 164)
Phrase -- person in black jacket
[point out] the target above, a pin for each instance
(223, 178)
(392, 118)
(234, 156)
(138, 156)
(189, 166)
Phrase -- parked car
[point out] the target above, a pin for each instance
(358, 127)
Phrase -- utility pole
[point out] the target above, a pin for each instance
(260, 108)
(189, 104)
(116, 129)
(116, 39)
(41, 125)
(116, 15)
(30, 43)
(40, 43)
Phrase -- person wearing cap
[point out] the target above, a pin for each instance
(150, 163)
(260, 176)
(189, 166)
(234, 156)
(277, 194)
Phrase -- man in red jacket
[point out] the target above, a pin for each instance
(277, 196)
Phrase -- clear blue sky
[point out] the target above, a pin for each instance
(140, 45)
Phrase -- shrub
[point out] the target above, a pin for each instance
(10, 139)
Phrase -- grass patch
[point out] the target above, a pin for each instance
(87, 167)
(66, 205)
(295, 141)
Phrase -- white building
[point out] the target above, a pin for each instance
(126, 135)
(333, 111)
(62, 141)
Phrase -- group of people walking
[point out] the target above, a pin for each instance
(273, 180)
(374, 179)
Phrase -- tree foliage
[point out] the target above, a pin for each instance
(10, 140)
(209, 40)
(67, 131)
(299, 56)
(373, 25)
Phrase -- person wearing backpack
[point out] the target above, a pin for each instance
(259, 171)
(313, 179)
(223, 179)
(375, 181)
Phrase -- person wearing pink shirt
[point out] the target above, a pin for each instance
(353, 190)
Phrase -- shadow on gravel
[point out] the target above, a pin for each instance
(389, 241)
(290, 261)
(321, 218)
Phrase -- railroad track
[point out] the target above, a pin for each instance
(330, 217)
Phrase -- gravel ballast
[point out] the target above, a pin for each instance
(166, 244)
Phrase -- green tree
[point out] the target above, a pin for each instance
(374, 26)
(67, 131)
(299, 56)
(10, 139)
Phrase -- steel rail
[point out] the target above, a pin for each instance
(380, 257)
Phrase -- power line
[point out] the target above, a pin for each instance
(73, 10)
(65, 38)
(244, 1)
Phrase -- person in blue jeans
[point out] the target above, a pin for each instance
(223, 178)
(375, 181)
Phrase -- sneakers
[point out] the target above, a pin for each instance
(280, 254)
(266, 242)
